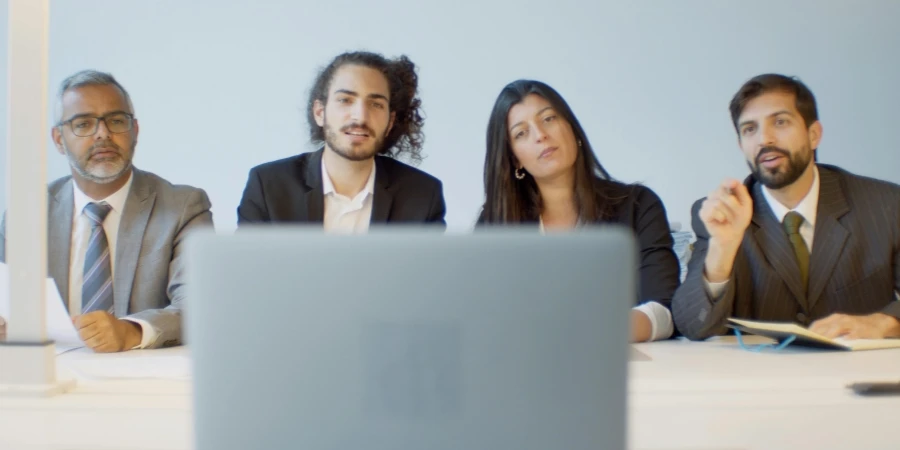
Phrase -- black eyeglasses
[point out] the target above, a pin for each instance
(118, 122)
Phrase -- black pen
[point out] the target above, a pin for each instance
(876, 388)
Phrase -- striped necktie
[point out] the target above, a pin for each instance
(97, 288)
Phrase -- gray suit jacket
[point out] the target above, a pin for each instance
(150, 263)
(854, 264)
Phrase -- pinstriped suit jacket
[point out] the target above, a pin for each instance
(854, 264)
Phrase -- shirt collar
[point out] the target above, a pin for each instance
(807, 207)
(328, 186)
(116, 200)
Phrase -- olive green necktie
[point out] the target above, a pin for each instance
(792, 222)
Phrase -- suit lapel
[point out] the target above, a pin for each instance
(132, 226)
(59, 237)
(829, 236)
(314, 198)
(382, 198)
(773, 242)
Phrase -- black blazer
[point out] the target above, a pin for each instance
(854, 265)
(640, 209)
(290, 190)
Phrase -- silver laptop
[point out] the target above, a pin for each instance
(409, 339)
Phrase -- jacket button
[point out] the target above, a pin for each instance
(802, 318)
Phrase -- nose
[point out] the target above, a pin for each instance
(540, 134)
(767, 136)
(359, 112)
(102, 132)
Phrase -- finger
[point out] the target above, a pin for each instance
(721, 212)
(723, 206)
(862, 329)
(729, 184)
(706, 211)
(732, 203)
(710, 212)
(713, 216)
(863, 333)
(742, 195)
(85, 320)
(821, 325)
(95, 343)
(829, 320)
(97, 315)
(854, 334)
(89, 332)
(718, 192)
(107, 347)
(836, 330)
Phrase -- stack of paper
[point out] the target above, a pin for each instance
(683, 249)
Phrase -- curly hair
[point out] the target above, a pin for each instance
(406, 136)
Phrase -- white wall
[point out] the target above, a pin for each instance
(219, 86)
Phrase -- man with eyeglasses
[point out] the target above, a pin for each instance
(115, 233)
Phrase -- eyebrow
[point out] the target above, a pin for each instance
(538, 113)
(776, 113)
(78, 116)
(356, 94)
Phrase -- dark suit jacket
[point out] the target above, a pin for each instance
(290, 190)
(640, 209)
(854, 264)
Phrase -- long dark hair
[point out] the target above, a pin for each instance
(406, 136)
(509, 200)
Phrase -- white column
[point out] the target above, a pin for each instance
(28, 363)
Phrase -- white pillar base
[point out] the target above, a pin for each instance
(29, 370)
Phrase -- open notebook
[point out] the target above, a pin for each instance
(782, 330)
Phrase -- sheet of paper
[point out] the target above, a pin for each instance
(637, 355)
(869, 344)
(59, 325)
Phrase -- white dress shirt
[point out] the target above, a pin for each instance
(661, 324)
(808, 207)
(344, 214)
(81, 233)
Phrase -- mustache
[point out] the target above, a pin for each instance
(105, 144)
(357, 127)
(769, 150)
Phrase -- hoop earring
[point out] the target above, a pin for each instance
(520, 174)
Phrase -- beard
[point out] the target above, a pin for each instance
(102, 171)
(351, 151)
(783, 175)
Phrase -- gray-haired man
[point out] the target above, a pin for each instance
(115, 232)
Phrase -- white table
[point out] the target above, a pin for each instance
(104, 414)
(703, 396)
(714, 395)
